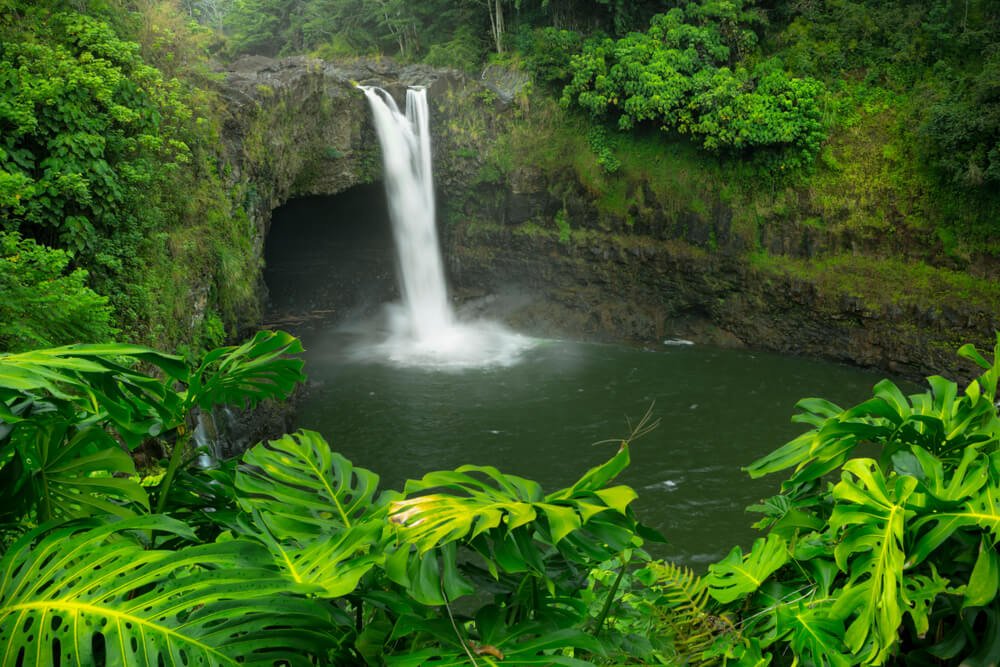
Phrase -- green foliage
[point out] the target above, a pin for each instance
(895, 561)
(681, 605)
(43, 304)
(680, 75)
(463, 51)
(92, 592)
(736, 576)
(549, 52)
(598, 138)
(106, 157)
(296, 536)
(86, 126)
(962, 129)
(562, 224)
(61, 407)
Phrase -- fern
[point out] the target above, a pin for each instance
(682, 607)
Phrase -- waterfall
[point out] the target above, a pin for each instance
(409, 183)
(425, 330)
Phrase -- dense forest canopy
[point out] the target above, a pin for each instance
(108, 153)
(108, 111)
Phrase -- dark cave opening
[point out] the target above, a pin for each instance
(329, 258)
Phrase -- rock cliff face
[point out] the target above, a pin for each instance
(299, 126)
(663, 269)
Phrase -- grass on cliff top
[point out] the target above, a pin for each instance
(888, 281)
(868, 181)
(553, 141)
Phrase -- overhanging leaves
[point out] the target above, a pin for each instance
(70, 590)
(871, 512)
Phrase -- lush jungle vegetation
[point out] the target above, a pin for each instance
(291, 555)
(118, 212)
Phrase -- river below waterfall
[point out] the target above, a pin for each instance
(719, 409)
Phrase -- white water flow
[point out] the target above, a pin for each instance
(425, 330)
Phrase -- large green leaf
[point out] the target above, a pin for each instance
(984, 582)
(335, 563)
(956, 484)
(249, 373)
(920, 593)
(303, 488)
(314, 511)
(871, 513)
(477, 499)
(987, 382)
(75, 591)
(939, 421)
(431, 577)
(73, 474)
(95, 381)
(815, 637)
(737, 576)
(982, 512)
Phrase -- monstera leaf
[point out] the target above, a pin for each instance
(303, 488)
(813, 634)
(829, 444)
(509, 522)
(472, 500)
(871, 511)
(314, 511)
(69, 473)
(88, 592)
(248, 373)
(940, 421)
(94, 382)
(335, 562)
(737, 576)
(56, 404)
(982, 511)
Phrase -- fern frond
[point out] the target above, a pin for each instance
(683, 609)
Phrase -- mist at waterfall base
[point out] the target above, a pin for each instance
(423, 330)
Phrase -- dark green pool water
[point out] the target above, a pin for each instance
(719, 410)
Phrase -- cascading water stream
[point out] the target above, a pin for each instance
(425, 330)
(409, 186)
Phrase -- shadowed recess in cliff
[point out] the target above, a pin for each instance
(329, 259)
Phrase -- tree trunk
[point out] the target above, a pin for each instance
(496, 23)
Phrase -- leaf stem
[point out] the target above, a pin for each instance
(599, 625)
(176, 456)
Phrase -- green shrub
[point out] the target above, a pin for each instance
(895, 559)
(43, 303)
(684, 75)
(548, 53)
(463, 51)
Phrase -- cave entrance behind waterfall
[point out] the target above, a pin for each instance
(329, 258)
